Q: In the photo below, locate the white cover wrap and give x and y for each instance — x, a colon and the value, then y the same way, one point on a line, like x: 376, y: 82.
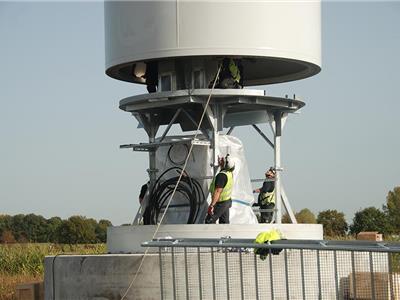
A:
x: 242, y: 193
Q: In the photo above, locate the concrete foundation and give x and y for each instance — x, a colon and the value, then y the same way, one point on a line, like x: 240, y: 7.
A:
x: 101, y: 277
x: 301, y: 275
x: 108, y: 276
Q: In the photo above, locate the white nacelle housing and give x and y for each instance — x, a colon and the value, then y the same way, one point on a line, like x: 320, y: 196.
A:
x: 277, y: 40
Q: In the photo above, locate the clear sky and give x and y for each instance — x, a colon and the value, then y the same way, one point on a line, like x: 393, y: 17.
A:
x: 60, y: 126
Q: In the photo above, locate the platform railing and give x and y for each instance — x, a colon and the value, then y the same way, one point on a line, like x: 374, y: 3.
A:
x: 287, y: 269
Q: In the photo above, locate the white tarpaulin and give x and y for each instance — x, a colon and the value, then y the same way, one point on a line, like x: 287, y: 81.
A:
x: 242, y: 192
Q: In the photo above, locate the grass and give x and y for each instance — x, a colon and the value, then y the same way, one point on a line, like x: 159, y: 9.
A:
x: 20, y: 263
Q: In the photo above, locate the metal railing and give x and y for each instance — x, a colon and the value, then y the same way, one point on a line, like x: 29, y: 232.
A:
x: 300, y: 269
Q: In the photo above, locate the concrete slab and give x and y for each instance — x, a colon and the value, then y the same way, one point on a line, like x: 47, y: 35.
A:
x: 101, y: 277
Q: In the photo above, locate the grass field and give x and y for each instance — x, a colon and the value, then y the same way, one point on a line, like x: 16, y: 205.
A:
x: 21, y: 263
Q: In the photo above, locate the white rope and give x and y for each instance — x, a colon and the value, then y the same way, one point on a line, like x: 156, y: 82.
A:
x: 176, y: 186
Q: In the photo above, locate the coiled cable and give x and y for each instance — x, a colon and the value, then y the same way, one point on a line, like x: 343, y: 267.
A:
x: 189, y: 188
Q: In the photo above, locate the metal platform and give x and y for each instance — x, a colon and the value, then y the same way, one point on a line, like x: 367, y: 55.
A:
x: 237, y: 107
x: 228, y: 108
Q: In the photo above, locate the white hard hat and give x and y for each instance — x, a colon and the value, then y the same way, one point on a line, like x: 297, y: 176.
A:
x: 229, y: 163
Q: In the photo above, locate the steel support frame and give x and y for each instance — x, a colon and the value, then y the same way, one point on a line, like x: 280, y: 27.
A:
x: 277, y: 158
x: 215, y: 114
x: 276, y: 121
x: 212, y: 114
x: 170, y: 124
x: 196, y: 124
x: 150, y: 124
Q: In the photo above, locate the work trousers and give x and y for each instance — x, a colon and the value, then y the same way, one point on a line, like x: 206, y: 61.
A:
x: 266, y: 217
x: 221, y: 213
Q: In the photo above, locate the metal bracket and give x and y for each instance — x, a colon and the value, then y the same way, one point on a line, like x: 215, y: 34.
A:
x: 145, y: 147
x: 170, y: 124
x: 263, y: 136
x: 230, y: 130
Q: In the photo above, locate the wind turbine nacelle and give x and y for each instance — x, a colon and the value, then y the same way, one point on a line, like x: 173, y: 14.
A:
x: 277, y: 41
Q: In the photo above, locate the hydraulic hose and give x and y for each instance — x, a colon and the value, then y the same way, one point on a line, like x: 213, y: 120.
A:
x: 188, y: 187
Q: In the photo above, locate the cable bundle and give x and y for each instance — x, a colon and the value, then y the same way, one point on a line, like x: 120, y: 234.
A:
x: 188, y: 187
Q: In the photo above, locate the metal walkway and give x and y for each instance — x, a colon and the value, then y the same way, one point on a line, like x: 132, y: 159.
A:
x: 300, y: 269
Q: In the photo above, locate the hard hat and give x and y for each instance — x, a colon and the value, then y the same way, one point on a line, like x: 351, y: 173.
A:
x: 271, y: 169
x: 229, y: 163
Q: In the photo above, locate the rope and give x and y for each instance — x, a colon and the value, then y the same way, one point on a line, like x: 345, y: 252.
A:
x: 177, y: 183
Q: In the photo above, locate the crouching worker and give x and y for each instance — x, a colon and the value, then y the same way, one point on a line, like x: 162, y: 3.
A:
x: 267, y: 237
x: 221, y: 190
x: 231, y: 75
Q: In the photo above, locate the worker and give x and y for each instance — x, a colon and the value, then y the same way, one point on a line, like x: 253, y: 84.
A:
x: 143, y: 191
x: 221, y: 190
x: 151, y: 76
x: 230, y: 76
x: 267, y: 237
x: 266, y: 196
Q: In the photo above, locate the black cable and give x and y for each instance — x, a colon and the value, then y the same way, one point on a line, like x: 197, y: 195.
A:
x: 181, y: 162
x: 188, y: 187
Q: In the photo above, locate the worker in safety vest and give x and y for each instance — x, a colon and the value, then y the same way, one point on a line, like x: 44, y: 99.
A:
x: 221, y: 190
x: 266, y: 197
x: 230, y: 76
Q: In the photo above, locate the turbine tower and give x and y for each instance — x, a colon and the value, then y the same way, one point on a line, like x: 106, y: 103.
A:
x: 178, y: 46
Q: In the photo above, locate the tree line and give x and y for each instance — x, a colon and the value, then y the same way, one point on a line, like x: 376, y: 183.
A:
x: 81, y: 230
x: 385, y: 220
x: 37, y: 229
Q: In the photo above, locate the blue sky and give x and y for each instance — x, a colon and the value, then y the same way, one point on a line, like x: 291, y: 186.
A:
x: 60, y: 126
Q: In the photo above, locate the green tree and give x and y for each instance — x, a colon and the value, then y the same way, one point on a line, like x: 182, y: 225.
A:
x: 35, y: 228
x: 52, y: 229
x: 77, y: 230
x: 5, y: 223
x: 286, y: 219
x: 392, y: 208
x: 370, y: 219
x: 101, y: 230
x: 18, y: 228
x: 305, y: 216
x: 333, y: 222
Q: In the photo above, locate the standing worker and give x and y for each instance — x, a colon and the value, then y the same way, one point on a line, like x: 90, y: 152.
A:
x: 221, y: 190
x: 266, y: 197
x: 151, y: 76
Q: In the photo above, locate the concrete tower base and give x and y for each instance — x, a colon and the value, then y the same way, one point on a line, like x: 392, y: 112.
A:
x: 101, y: 277
x: 108, y: 276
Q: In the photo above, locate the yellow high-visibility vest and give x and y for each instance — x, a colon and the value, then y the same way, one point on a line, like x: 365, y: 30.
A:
x: 234, y: 69
x: 268, y: 197
x: 227, y: 191
x: 267, y: 236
